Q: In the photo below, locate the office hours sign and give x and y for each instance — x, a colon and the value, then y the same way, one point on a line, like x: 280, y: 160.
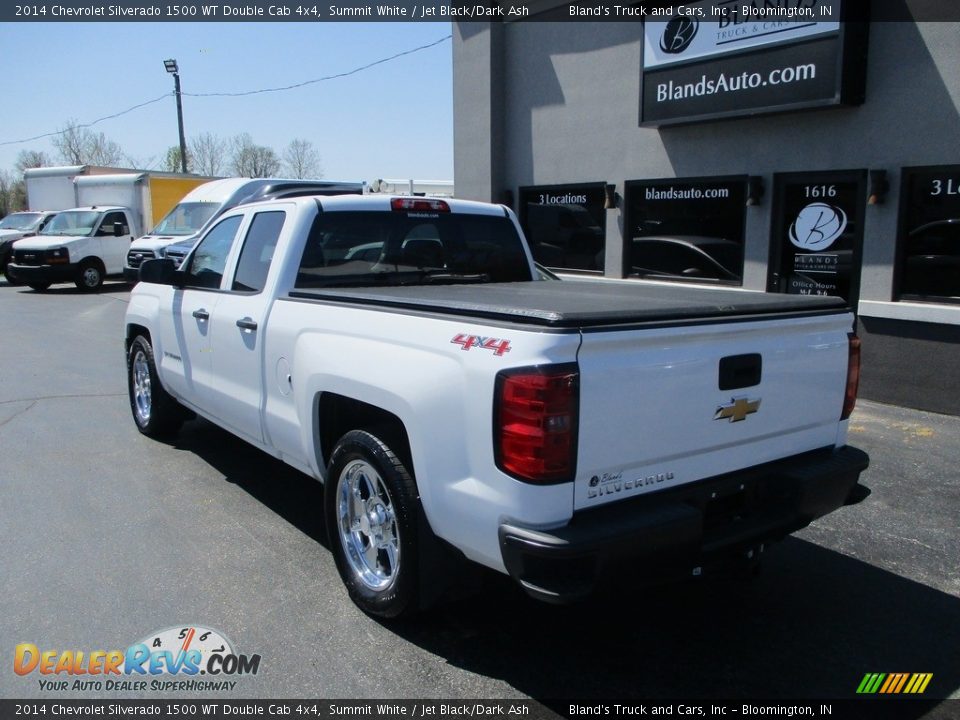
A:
x: 817, y: 233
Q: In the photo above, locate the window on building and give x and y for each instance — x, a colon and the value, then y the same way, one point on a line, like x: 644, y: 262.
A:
x: 929, y: 239
x: 816, y: 233
x: 565, y: 225
x: 686, y: 229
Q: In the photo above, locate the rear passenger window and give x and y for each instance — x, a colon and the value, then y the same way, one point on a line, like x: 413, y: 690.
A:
x: 257, y: 251
x: 210, y: 257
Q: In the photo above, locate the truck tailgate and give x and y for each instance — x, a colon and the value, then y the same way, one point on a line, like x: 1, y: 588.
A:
x: 661, y: 407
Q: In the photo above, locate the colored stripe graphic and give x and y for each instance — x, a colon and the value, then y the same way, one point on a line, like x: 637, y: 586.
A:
x: 894, y: 683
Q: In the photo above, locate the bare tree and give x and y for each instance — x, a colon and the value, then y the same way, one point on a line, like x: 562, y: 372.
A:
x: 31, y: 159
x: 206, y: 154
x: 251, y: 160
x: 81, y: 146
x: 302, y: 160
x: 6, y: 192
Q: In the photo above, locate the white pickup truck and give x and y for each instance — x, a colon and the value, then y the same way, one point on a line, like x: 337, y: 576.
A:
x: 401, y: 351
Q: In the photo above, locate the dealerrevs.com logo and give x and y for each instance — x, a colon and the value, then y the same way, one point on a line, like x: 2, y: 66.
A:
x: 173, y: 659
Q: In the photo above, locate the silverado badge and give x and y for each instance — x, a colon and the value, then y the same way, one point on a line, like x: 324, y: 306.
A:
x: 737, y: 410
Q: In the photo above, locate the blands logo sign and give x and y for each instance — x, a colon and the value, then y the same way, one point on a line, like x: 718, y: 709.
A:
x: 714, y: 59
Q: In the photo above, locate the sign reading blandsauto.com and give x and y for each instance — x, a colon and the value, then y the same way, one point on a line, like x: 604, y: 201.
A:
x: 726, y: 58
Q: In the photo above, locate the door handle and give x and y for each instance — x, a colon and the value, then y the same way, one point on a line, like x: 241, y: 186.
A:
x: 247, y: 324
x: 201, y: 314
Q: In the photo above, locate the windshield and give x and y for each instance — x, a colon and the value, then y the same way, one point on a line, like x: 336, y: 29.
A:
x: 186, y: 219
x: 21, y: 221
x: 398, y: 248
x: 72, y: 222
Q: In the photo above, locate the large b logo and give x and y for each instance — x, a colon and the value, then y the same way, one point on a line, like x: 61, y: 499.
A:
x: 678, y: 35
x: 817, y: 226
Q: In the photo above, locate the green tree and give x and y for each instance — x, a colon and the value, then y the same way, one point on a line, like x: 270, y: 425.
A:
x: 171, y: 161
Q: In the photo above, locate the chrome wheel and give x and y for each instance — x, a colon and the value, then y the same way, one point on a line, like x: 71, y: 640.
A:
x: 367, y: 524
x: 142, y: 398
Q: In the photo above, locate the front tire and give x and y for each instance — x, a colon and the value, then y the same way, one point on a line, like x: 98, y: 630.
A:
x: 9, y: 275
x: 371, y: 507
x: 155, y: 412
x: 89, y: 276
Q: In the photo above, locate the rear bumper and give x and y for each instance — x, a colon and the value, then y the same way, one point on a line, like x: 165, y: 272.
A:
x: 28, y: 274
x: 678, y: 532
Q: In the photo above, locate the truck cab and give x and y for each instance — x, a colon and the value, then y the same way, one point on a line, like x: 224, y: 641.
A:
x: 177, y: 233
x: 20, y: 225
x: 82, y: 245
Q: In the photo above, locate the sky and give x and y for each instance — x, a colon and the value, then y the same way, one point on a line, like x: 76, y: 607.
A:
x: 394, y: 120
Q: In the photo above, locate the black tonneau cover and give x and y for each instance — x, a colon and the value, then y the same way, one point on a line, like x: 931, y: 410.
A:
x: 579, y: 304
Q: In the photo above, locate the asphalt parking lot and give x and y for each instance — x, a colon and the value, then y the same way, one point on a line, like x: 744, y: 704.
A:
x: 108, y: 536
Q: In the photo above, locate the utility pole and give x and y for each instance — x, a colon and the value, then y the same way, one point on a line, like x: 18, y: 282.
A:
x: 171, y: 67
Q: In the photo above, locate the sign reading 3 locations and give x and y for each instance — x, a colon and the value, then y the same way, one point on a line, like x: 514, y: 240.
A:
x: 726, y: 58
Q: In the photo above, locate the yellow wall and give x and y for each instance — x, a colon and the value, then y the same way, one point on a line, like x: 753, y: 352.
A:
x: 165, y: 193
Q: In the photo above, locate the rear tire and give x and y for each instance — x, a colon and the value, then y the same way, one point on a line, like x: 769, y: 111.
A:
x: 89, y: 276
x: 155, y: 412
x: 371, y: 506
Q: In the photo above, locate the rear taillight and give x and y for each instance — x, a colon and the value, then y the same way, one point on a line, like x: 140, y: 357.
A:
x: 535, y: 422
x: 418, y: 204
x: 853, y: 377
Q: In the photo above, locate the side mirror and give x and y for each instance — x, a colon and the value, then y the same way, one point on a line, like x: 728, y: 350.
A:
x: 118, y: 229
x: 161, y: 272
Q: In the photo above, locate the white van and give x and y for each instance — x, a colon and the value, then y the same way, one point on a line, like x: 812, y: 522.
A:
x: 200, y: 206
x: 81, y: 245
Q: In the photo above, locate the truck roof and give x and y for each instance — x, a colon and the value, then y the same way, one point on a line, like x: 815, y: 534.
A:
x: 382, y: 203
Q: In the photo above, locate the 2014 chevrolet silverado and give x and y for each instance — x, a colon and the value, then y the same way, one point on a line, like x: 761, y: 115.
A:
x: 402, y: 351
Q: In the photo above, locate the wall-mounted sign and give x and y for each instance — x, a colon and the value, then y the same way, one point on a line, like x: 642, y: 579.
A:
x: 817, y: 234
x: 565, y: 224
x: 686, y: 229
x: 718, y: 59
x: 928, y: 261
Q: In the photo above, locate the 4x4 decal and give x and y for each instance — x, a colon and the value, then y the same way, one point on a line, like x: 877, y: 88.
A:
x: 498, y: 346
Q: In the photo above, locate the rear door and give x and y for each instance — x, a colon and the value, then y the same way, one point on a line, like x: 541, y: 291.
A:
x: 661, y: 407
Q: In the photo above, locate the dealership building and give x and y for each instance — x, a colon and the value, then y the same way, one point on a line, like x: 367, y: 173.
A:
x: 707, y: 145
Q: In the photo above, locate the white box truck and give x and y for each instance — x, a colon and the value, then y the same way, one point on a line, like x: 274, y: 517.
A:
x: 91, y: 239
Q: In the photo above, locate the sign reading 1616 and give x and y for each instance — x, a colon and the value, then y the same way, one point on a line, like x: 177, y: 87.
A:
x: 820, y: 191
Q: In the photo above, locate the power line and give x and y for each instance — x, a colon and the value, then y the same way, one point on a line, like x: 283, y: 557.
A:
x: 236, y: 94
x: 89, y: 124
x: 326, y: 77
